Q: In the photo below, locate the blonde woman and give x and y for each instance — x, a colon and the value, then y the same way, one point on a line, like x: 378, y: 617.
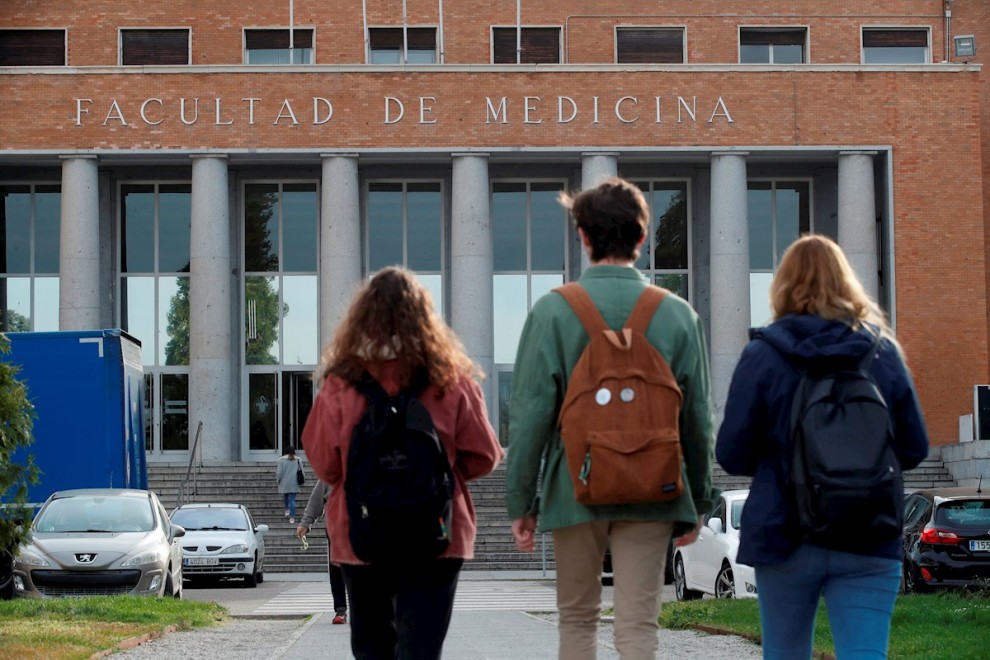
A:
x: 399, y: 610
x: 822, y: 317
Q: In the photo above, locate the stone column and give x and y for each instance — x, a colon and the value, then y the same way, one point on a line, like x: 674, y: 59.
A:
x: 79, y: 252
x: 596, y: 166
x: 729, y: 270
x: 211, y: 391
x: 340, y: 240
x: 858, y: 217
x: 471, y: 271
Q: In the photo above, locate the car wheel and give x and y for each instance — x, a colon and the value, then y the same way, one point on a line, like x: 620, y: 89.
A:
x: 725, y: 585
x: 6, y: 575
x: 261, y: 576
x: 911, y: 584
x: 251, y: 581
x: 680, y: 582
x: 170, y: 585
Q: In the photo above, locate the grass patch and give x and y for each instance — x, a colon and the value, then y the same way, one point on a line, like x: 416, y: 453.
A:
x: 941, y: 626
x: 76, y: 628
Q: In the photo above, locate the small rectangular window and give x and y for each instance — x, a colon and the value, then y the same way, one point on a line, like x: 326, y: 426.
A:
x: 263, y: 46
x: 32, y: 47
x: 649, y: 45
x: 895, y: 46
x: 772, y: 45
x: 154, y: 47
x: 386, y: 45
x: 536, y: 45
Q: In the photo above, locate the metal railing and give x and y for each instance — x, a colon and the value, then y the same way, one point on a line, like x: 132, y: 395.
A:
x: 181, y: 499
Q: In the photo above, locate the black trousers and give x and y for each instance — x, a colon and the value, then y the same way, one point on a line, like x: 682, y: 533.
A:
x: 401, y: 612
x: 337, y: 588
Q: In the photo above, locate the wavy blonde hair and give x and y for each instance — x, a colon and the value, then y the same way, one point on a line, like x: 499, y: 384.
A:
x: 392, y: 317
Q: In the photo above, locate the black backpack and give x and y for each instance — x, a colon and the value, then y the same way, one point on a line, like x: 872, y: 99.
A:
x: 845, y: 476
x: 399, y: 486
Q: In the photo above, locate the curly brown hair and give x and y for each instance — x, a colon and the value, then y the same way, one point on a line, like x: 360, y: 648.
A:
x: 392, y: 317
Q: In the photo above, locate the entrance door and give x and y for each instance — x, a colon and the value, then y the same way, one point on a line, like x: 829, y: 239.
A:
x: 277, y: 408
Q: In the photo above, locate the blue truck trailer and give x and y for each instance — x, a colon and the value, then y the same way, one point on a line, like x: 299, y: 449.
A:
x: 87, y: 388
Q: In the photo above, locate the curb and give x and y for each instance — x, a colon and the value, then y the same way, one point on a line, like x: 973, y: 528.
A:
x: 756, y: 639
x: 133, y: 642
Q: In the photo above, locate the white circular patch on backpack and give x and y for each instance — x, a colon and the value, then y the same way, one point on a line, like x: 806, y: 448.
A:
x: 627, y: 394
x: 603, y: 396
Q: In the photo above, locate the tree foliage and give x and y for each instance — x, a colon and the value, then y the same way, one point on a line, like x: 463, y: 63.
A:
x: 16, y: 431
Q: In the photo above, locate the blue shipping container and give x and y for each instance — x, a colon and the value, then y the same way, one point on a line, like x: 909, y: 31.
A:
x: 87, y: 388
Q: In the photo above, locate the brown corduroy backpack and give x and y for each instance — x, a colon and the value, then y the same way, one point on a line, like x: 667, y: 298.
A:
x: 619, y: 421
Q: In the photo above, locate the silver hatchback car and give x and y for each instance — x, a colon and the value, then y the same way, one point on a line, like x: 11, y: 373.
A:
x: 100, y: 541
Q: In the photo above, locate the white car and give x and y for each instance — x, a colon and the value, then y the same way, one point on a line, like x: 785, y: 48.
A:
x: 221, y: 541
x: 709, y: 566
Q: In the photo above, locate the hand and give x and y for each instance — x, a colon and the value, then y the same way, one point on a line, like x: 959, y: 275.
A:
x: 301, y: 531
x: 524, y: 532
x: 691, y: 536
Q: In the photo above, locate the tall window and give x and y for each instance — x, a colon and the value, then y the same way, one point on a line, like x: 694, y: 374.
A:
x: 155, y: 222
x: 405, y: 228
x: 281, y: 319
x: 779, y: 212
x: 30, y: 220
x: 664, y: 255
x: 895, y: 46
x: 32, y: 47
x: 398, y: 46
x: 529, y: 252
x: 772, y: 45
x: 160, y: 47
x: 272, y: 46
x: 649, y: 45
x: 537, y: 45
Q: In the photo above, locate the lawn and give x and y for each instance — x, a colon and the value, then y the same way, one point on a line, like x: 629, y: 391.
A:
x: 941, y: 626
x: 76, y: 628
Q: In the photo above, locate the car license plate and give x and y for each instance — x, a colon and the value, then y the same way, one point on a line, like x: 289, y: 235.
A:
x: 202, y: 561
x: 979, y: 546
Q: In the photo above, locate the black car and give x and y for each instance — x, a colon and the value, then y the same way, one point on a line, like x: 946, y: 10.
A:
x: 946, y: 538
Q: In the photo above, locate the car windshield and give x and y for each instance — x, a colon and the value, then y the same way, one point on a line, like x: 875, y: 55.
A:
x: 96, y: 514
x: 194, y: 519
x: 736, y: 514
x: 964, y: 513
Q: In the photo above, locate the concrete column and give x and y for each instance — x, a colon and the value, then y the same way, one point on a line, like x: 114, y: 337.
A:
x: 729, y: 270
x: 471, y: 271
x: 858, y: 217
x: 340, y: 240
x: 79, y: 256
x: 596, y: 166
x: 211, y: 392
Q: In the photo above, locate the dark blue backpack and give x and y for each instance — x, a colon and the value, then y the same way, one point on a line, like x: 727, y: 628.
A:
x: 399, y: 486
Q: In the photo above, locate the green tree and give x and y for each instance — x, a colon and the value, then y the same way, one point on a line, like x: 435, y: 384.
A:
x: 262, y: 315
x: 11, y: 321
x: 177, y: 319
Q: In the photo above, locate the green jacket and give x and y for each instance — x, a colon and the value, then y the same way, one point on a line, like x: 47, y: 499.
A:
x: 551, y: 343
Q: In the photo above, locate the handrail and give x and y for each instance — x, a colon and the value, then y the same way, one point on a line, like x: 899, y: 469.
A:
x: 192, y: 457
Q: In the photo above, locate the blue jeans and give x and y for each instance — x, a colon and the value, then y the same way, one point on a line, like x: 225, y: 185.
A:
x: 859, y: 595
x: 289, y: 500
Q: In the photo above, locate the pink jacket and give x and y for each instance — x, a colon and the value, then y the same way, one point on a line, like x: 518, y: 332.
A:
x: 461, y: 420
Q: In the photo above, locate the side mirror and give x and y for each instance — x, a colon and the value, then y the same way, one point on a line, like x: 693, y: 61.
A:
x: 177, y: 531
x: 263, y: 529
x: 715, y: 524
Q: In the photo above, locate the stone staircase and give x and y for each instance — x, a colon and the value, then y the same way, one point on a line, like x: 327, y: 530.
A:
x: 253, y: 484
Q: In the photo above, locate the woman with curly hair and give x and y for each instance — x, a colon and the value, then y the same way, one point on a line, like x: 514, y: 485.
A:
x: 391, y: 331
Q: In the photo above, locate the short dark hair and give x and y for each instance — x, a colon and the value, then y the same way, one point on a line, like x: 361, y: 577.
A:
x: 613, y: 215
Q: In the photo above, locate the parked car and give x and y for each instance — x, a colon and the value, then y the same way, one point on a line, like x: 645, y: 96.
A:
x: 946, y: 538
x: 221, y: 541
x: 100, y: 541
x: 709, y: 566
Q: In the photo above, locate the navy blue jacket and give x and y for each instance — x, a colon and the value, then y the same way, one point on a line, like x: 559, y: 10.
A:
x: 753, y: 439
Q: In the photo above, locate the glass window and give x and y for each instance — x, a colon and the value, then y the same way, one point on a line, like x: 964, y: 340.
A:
x: 772, y: 45
x: 395, y: 45
x: 30, y: 222
x: 779, y: 212
x: 32, y: 47
x: 154, y: 47
x: 895, y: 46
x: 271, y: 46
x: 536, y: 45
x: 649, y: 45
x: 664, y: 255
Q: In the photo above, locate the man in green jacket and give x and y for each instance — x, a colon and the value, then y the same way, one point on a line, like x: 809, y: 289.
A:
x: 612, y: 221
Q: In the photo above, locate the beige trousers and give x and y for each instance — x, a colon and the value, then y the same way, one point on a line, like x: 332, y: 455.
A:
x: 639, y: 552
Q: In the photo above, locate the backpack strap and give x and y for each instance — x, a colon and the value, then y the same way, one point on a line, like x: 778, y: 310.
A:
x: 584, y: 307
x: 646, y: 306
x: 370, y: 388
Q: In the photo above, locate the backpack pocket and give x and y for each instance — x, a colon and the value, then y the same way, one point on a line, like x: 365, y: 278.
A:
x: 629, y: 467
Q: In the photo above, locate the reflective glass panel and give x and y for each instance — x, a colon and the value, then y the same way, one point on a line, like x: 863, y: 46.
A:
x: 15, y: 230
x: 423, y: 219
x: 279, y: 56
x: 173, y: 320
x: 510, y: 305
x: 669, y: 208
x: 261, y: 211
x: 788, y: 54
x: 175, y: 412
x: 509, y: 226
x: 301, y: 324
x: 643, y: 261
x: 261, y: 411
x: 759, y: 298
x: 137, y: 228
x: 174, y: 226
x: 548, y: 225
x: 895, y: 55
x: 543, y: 284
x: 433, y: 284
x: 16, y: 301
x: 759, y: 199
x: 149, y: 396
x: 792, y: 206
x: 385, y: 225
x: 754, y: 54
x: 421, y: 56
x: 47, y: 226
x: 299, y: 210
x: 383, y: 56
x: 137, y: 311
x: 676, y: 282
x: 262, y: 315
x: 504, y: 399
x: 46, y: 304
